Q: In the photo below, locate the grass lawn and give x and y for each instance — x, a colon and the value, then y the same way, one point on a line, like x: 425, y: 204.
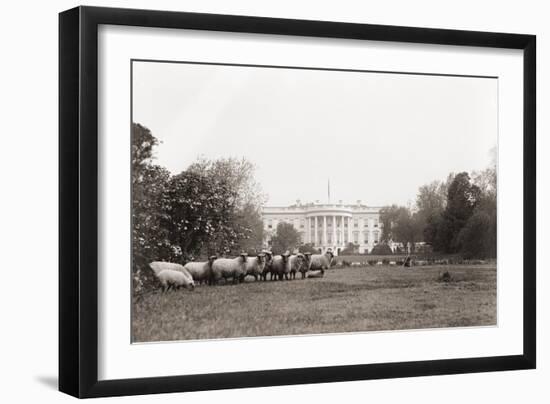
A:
x: 345, y: 300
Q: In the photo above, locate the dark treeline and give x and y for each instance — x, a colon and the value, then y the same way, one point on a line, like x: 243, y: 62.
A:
x: 456, y: 216
x: 212, y: 207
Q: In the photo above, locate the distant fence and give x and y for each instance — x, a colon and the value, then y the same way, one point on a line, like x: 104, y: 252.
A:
x: 399, y: 259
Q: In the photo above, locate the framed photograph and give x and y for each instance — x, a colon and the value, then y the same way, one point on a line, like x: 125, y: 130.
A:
x: 249, y: 201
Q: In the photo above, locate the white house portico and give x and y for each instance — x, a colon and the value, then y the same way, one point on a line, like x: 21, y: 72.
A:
x: 330, y: 225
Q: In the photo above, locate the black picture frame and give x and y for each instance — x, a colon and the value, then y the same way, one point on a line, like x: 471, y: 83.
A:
x: 78, y: 201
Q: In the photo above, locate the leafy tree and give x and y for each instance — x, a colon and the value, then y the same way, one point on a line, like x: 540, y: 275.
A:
x: 239, y: 174
x: 432, y: 198
x: 388, y: 217
x: 245, y: 200
x: 462, y: 198
x: 143, y: 143
x: 478, y: 238
x: 475, y: 239
x: 149, y: 238
x: 401, y: 224
x: 200, y: 211
x: 431, y: 202
x: 285, y: 238
x: 249, y: 220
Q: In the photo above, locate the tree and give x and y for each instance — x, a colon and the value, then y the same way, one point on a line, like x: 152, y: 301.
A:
x: 239, y: 174
x: 245, y: 200
x: 143, y: 143
x: 285, y: 239
x: 475, y: 239
x: 249, y: 220
x: 431, y: 202
x: 462, y: 198
x: 200, y: 213
x: 401, y: 224
x: 149, y: 238
x: 432, y: 197
x: 478, y: 238
x: 388, y: 217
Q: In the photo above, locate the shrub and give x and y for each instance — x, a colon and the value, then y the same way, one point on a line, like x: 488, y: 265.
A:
x: 381, y: 249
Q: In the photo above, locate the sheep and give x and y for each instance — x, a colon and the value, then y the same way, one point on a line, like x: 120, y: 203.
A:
x: 321, y: 261
x: 306, y: 265
x: 229, y: 268
x: 279, y: 267
x: 267, y: 266
x: 201, y: 271
x: 159, y: 266
x: 255, y: 266
x: 170, y: 278
x: 295, y: 264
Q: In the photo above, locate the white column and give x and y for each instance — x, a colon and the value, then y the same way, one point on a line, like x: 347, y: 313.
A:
x: 349, y: 230
x: 325, y: 231
x: 316, y: 236
x: 333, y: 230
x: 344, y: 231
x: 308, y: 230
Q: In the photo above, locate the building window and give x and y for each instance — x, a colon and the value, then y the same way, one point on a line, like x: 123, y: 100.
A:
x: 355, y: 223
x: 356, y: 238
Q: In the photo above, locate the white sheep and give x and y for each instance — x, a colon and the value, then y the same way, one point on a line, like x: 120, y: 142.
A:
x: 173, y: 279
x: 279, y: 267
x: 159, y: 266
x: 201, y: 271
x: 295, y: 264
x: 229, y: 268
x: 255, y: 266
x: 321, y: 261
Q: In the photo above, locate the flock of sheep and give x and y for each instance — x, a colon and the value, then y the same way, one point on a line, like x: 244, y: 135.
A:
x: 278, y: 267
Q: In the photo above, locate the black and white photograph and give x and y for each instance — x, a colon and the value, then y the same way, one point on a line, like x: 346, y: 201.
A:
x: 278, y: 200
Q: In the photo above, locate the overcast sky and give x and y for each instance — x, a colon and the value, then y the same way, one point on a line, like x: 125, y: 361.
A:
x: 378, y: 137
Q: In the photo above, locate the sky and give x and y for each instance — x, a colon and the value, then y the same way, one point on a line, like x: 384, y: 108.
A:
x: 376, y: 136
